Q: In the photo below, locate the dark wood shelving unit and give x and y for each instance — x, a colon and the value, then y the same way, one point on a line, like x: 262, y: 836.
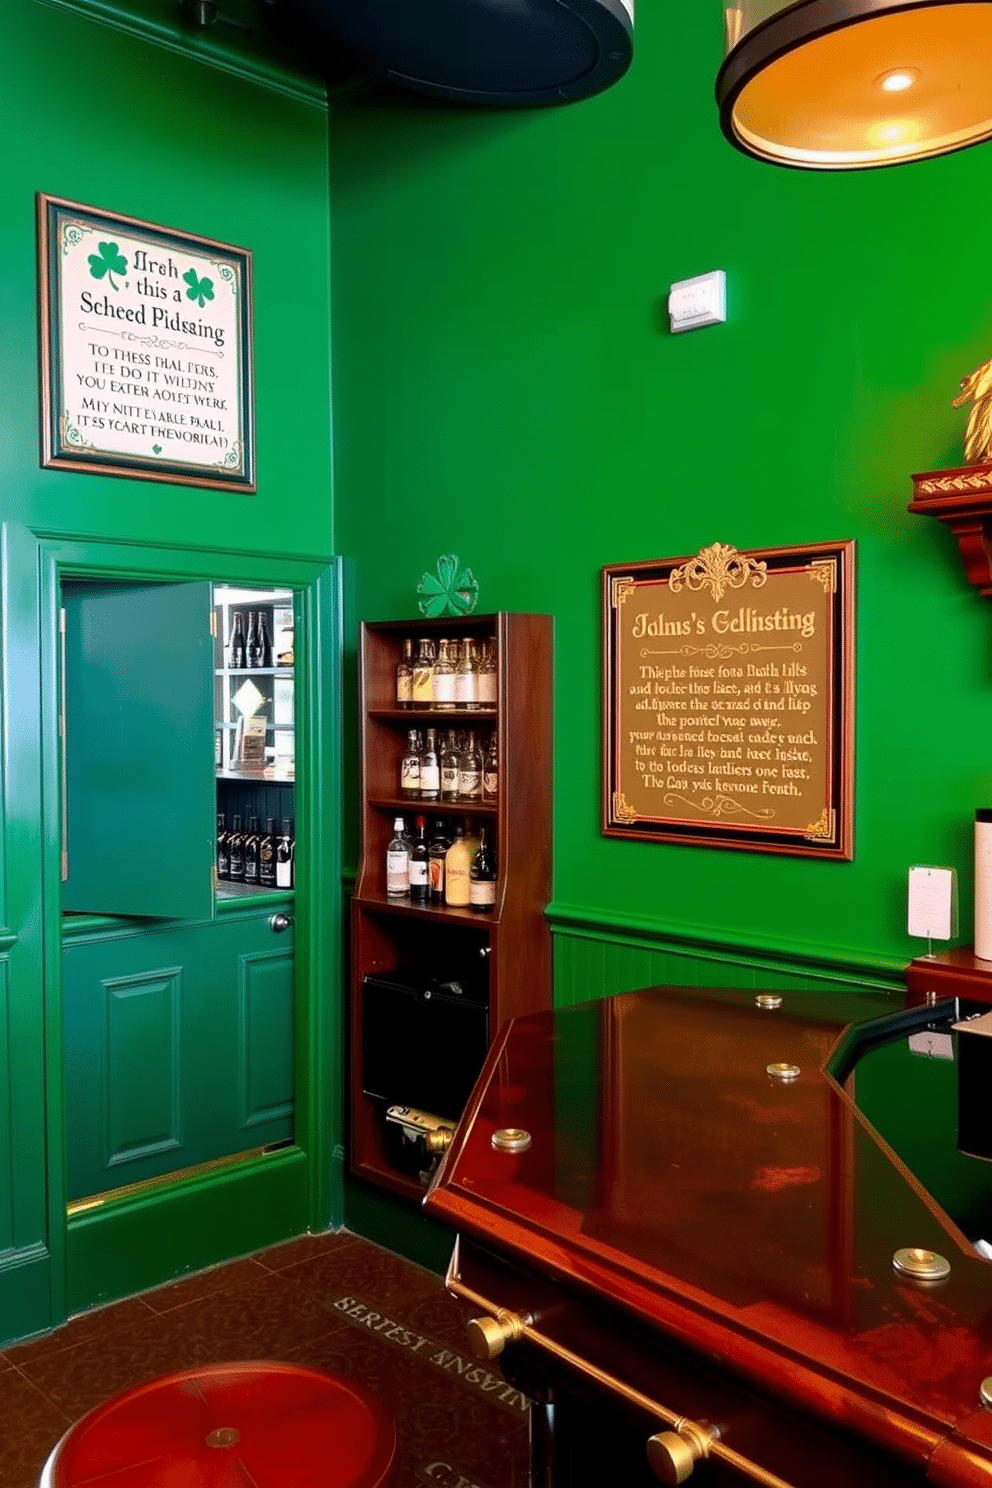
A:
x: 391, y: 935
x: 960, y: 498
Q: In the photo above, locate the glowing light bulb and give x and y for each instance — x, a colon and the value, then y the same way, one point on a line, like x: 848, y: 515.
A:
x: 898, y: 81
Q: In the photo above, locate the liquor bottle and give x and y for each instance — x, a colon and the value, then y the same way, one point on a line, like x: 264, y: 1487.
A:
x: 444, y: 677
x: 252, y: 648
x: 223, y: 861
x: 236, y: 654
x: 487, y: 675
x: 404, y: 677
x: 430, y: 770
x: 264, y: 640
x: 436, y: 851
x: 422, y: 688
x: 410, y: 766
x: 470, y: 770
x: 482, y: 885
x: 449, y: 768
x: 285, y: 853
x: 251, y: 852
x: 267, y: 856
x: 417, y: 870
x: 490, y: 772
x: 458, y: 867
x: 236, y: 853
x: 398, y: 863
x: 466, y: 679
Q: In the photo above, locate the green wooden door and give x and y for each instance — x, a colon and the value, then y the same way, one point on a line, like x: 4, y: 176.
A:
x: 180, y: 1047
x: 139, y: 793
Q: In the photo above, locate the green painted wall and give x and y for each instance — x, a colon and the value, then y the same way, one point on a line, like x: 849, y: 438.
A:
x: 116, y: 105
x: 506, y: 388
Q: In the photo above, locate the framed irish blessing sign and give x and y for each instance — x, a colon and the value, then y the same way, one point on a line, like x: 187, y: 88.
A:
x: 728, y: 699
x: 146, y: 350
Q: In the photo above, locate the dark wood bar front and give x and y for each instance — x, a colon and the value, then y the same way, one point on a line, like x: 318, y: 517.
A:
x: 705, y: 1260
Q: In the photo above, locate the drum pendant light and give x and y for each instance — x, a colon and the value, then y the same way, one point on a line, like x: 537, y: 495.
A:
x: 849, y: 84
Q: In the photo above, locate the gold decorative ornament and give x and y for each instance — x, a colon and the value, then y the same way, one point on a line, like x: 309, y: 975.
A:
x: 824, y: 826
x: 622, y: 589
x: 921, y: 1265
x: 951, y: 483
x: 978, y: 434
x: 825, y: 574
x: 719, y: 806
x: 768, y: 1000
x: 718, y: 568
x: 510, y: 1139
x: 719, y: 650
x: 622, y: 809
x: 780, y: 1070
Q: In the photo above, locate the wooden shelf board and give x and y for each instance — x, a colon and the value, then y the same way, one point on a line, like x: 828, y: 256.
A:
x: 447, y: 914
x: 408, y: 804
x: 453, y: 717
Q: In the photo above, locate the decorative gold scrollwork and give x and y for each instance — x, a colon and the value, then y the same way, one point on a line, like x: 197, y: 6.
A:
x: 718, y: 568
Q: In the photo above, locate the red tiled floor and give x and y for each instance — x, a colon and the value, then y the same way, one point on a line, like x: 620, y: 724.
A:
x: 332, y: 1302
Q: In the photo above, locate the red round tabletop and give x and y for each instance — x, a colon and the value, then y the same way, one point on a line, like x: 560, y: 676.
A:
x: 226, y: 1425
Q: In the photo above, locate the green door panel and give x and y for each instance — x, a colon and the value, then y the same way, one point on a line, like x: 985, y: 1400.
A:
x: 140, y: 795
x: 179, y: 1047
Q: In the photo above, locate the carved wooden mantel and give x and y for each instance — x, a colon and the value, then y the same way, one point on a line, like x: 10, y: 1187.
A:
x: 962, y: 499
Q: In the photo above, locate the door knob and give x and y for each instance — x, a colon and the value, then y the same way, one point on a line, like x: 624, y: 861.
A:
x: 279, y: 922
x: 488, y: 1337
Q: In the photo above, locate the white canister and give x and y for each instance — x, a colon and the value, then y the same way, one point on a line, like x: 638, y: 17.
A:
x: 983, y: 883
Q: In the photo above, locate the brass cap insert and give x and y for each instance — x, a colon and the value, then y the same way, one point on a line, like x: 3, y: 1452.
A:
x: 921, y: 1265
x: 768, y: 1000
x: 780, y: 1070
x: 510, y: 1139
x: 985, y: 1392
x: 488, y: 1337
x: 672, y: 1455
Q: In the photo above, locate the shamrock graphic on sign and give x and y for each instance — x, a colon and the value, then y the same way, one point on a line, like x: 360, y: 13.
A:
x: 200, y: 290
x: 110, y: 261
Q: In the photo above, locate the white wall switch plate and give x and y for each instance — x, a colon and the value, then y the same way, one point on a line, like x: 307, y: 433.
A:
x: 698, y: 302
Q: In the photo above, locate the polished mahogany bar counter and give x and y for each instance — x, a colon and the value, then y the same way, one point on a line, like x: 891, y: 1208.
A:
x: 683, y: 1237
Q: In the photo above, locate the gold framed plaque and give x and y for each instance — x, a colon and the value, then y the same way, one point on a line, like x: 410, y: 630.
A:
x: 728, y: 699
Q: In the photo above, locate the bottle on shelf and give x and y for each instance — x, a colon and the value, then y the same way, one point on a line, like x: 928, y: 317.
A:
x: 422, y: 689
x: 251, y: 852
x: 466, y: 677
x: 398, y: 862
x: 490, y: 772
x: 430, y: 770
x: 444, y: 677
x: 470, y: 770
x: 223, y: 862
x: 486, y: 688
x: 236, y: 853
x: 285, y: 852
x: 482, y: 877
x: 410, y: 766
x: 404, y: 677
x: 252, y: 649
x: 449, y: 767
x: 458, y: 866
x: 267, y: 856
x: 436, y: 851
x: 236, y: 658
x: 264, y: 640
x: 417, y: 874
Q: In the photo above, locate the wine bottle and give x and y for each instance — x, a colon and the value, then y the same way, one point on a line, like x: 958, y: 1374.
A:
x: 223, y: 862
x: 251, y: 852
x: 267, y: 856
x: 430, y: 771
x: 285, y: 851
x: 404, y: 677
x: 236, y: 853
x: 252, y: 648
x: 482, y: 885
x: 417, y: 869
x: 410, y: 766
x: 264, y: 641
x: 236, y: 655
x: 470, y: 770
x: 436, y: 852
x: 398, y: 863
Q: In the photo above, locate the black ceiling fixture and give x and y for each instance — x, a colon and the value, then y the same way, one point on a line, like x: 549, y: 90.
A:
x: 500, y: 53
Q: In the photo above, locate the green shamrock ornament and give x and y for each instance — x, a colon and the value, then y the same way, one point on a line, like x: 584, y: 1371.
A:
x: 156, y: 449
x: 453, y: 592
x: 110, y: 261
x: 200, y: 290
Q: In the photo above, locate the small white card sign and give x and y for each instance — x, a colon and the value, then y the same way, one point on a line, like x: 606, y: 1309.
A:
x: 146, y: 349
x: 933, y: 903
